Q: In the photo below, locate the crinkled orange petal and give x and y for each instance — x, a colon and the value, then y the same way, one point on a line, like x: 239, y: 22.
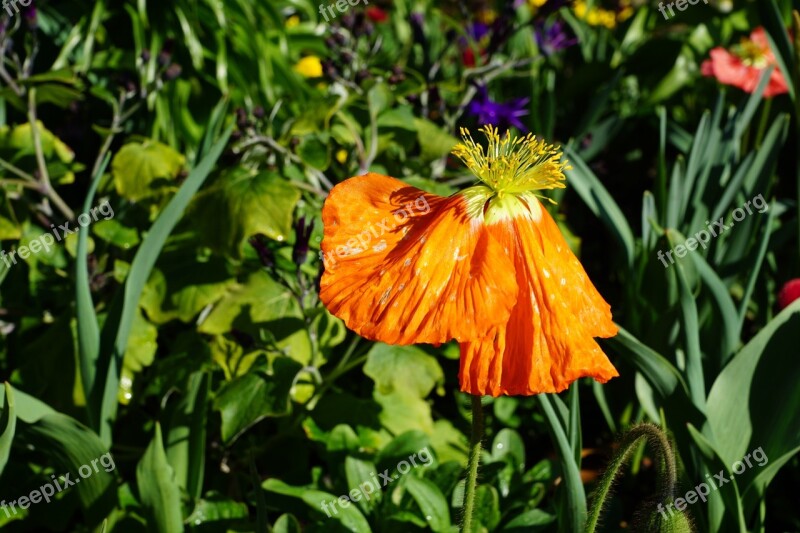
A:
x: 403, y: 266
x: 548, y: 341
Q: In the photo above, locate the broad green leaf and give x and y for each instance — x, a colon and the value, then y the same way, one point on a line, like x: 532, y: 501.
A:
x: 286, y: 523
x: 403, y: 368
x: 8, y: 230
x: 314, y: 150
x: 158, y: 488
x: 359, y: 474
x: 68, y: 445
x: 431, y: 502
x: 434, y: 141
x: 139, y: 168
x: 216, y: 511
x: 113, y: 232
x: 403, y: 410
x: 262, y: 304
x: 20, y: 140
x: 508, y: 446
x: 323, y: 503
x: 184, y: 283
x: 243, y: 203
x: 249, y: 399
x: 741, y: 405
x: 531, y: 521
x: 487, y: 507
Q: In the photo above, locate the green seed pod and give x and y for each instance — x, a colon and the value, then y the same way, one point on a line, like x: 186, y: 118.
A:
x: 656, y: 521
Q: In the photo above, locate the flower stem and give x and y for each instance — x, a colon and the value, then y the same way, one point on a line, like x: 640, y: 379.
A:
x: 666, y: 479
x: 474, y: 461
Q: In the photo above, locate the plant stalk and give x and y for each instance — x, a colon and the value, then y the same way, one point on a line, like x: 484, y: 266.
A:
x: 474, y: 461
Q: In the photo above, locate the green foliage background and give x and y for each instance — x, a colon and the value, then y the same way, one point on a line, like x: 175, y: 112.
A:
x: 184, y: 336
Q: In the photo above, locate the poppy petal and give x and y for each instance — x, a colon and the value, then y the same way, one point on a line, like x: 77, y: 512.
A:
x: 404, y: 266
x: 548, y: 341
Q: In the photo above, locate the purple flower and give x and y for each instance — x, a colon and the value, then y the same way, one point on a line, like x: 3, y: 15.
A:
x: 477, y: 31
x: 500, y: 115
x: 31, y: 16
x: 553, y: 37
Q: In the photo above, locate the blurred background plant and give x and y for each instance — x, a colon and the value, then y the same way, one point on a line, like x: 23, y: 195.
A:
x: 185, y: 335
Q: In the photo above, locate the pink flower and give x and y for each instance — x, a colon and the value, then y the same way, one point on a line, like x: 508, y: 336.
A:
x: 789, y: 293
x: 743, y: 65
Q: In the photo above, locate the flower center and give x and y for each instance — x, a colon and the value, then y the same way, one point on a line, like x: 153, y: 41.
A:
x: 512, y: 165
x: 752, y: 54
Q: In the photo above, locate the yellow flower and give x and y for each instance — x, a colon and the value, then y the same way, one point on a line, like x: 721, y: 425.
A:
x: 597, y: 16
x: 487, y: 16
x: 341, y: 156
x: 309, y: 66
x: 292, y: 21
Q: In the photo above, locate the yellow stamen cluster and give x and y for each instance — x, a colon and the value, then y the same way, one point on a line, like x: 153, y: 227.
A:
x: 752, y: 54
x: 513, y: 165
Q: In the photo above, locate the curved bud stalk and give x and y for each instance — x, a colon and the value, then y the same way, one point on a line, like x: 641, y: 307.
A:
x: 651, y: 519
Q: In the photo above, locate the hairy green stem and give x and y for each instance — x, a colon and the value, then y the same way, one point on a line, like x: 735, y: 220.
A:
x: 656, y: 438
x: 474, y: 461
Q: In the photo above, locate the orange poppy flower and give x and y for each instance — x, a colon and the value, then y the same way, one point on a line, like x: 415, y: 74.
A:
x: 743, y: 66
x: 486, y: 266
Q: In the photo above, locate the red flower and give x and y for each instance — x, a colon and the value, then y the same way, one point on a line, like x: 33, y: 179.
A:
x: 377, y: 15
x: 743, y: 65
x: 789, y: 293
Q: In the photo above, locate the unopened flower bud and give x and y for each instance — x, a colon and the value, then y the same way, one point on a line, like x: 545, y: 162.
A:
x: 302, y: 237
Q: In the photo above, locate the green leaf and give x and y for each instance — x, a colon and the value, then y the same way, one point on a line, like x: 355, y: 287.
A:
x: 358, y: 473
x: 487, y: 507
x: 241, y: 204
x: 773, y: 22
x: 262, y: 303
x: 114, y: 336
x: 572, y: 514
x: 349, y: 516
x: 530, y: 522
x: 600, y: 202
x: 113, y: 232
x: 286, y: 523
x: 137, y: 167
x: 741, y: 405
x: 314, y: 150
x: 431, y: 502
x: 508, y: 446
x: 158, y: 488
x: 257, y: 395
x: 68, y: 446
x: 186, y: 438
x: 8, y: 424
x: 434, y: 142
x: 218, y: 513
x: 404, y: 368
